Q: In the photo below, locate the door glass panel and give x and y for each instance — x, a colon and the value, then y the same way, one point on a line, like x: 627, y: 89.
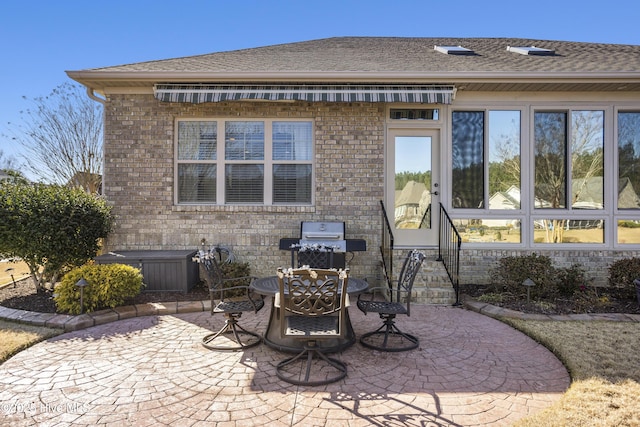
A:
x: 412, y: 207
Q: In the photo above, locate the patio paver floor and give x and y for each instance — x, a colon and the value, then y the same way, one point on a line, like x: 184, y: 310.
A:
x: 470, y: 370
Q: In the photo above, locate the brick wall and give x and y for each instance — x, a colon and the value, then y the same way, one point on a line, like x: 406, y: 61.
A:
x: 139, y: 181
x: 476, y: 264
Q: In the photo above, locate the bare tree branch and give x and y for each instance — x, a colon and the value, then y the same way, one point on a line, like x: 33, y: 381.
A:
x: 62, y: 135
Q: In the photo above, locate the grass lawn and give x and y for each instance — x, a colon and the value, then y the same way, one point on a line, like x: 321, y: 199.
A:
x: 17, y: 336
x: 18, y: 270
x: 604, y: 363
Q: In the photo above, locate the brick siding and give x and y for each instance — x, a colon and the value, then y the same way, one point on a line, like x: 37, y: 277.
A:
x: 139, y: 181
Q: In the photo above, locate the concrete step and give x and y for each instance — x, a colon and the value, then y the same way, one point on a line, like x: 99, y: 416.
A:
x: 434, y: 295
x: 432, y: 285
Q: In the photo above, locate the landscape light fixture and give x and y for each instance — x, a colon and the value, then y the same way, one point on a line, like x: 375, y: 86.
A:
x: 10, y: 269
x: 81, y: 284
x: 528, y: 283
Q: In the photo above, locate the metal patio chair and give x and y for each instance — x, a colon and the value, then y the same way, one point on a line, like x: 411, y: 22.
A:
x: 312, y: 308
x: 397, y: 300
x: 231, y: 301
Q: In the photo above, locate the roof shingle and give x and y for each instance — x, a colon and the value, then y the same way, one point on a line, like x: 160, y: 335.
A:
x: 395, y: 54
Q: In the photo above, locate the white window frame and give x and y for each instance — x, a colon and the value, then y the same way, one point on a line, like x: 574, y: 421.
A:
x: 610, y: 214
x: 221, y: 161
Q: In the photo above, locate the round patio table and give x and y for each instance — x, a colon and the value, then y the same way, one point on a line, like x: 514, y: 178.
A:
x: 269, y: 286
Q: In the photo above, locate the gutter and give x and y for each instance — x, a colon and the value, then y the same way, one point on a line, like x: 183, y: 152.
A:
x: 92, y: 75
x: 91, y: 94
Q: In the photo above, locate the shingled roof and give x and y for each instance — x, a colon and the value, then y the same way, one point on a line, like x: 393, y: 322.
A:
x: 394, y: 59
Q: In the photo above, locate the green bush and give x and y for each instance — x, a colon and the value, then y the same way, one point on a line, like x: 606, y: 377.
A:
x: 570, y: 280
x: 51, y: 227
x: 512, y: 271
x: 236, y: 269
x: 231, y: 270
x: 110, y: 285
x: 622, y: 273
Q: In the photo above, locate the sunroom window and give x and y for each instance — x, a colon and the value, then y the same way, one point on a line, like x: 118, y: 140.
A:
x: 486, y: 155
x: 260, y: 162
x: 486, y: 174
x: 569, y: 175
x: 628, y: 160
x: 569, y: 159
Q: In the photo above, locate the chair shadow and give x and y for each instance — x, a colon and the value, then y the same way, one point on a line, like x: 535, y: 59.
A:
x: 364, y: 406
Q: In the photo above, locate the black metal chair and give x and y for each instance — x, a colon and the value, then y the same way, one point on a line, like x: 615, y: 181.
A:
x: 396, y: 301
x: 232, y: 301
x: 312, y: 307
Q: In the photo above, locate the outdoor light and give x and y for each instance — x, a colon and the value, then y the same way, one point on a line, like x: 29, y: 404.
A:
x: 528, y: 283
x: 11, y: 273
x: 81, y: 284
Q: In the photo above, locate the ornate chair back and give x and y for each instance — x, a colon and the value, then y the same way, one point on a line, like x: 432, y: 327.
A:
x: 397, y: 300
x: 410, y: 269
x: 312, y: 307
x: 312, y: 293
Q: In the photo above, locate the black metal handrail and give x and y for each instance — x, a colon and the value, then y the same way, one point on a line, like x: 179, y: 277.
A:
x: 449, y: 245
x: 386, y: 247
x: 425, y: 222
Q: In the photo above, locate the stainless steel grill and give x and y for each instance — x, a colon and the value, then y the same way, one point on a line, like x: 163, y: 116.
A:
x: 323, y: 235
x: 322, y: 244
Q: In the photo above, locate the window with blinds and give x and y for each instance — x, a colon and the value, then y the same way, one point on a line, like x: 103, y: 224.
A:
x: 260, y: 162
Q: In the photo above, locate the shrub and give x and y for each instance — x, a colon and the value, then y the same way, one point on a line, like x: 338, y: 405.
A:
x: 110, y: 285
x: 52, y: 228
x: 570, y: 280
x: 511, y: 271
x: 236, y: 269
x: 622, y: 273
x: 231, y: 270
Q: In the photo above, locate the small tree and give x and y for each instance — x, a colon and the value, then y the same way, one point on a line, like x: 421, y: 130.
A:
x: 51, y: 227
x: 62, y: 138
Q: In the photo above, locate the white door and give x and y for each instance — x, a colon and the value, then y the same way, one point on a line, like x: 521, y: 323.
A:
x: 413, y: 186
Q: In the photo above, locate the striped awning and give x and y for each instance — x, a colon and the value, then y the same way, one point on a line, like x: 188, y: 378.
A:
x: 199, y: 93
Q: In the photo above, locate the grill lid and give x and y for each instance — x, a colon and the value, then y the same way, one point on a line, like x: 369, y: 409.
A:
x: 323, y: 234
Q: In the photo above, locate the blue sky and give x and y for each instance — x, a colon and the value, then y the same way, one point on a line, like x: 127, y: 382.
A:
x: 41, y: 39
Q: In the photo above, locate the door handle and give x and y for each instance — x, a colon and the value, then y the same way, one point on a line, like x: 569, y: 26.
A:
x: 435, y: 185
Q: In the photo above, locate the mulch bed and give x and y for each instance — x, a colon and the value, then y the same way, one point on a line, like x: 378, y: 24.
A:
x: 24, y: 297
x: 558, y: 306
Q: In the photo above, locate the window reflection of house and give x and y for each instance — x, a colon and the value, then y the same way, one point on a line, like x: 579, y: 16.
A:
x: 627, y: 196
x: 509, y: 199
x: 588, y: 193
x: 411, y: 204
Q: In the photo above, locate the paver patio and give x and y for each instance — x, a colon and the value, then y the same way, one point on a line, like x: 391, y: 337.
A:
x: 470, y: 370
